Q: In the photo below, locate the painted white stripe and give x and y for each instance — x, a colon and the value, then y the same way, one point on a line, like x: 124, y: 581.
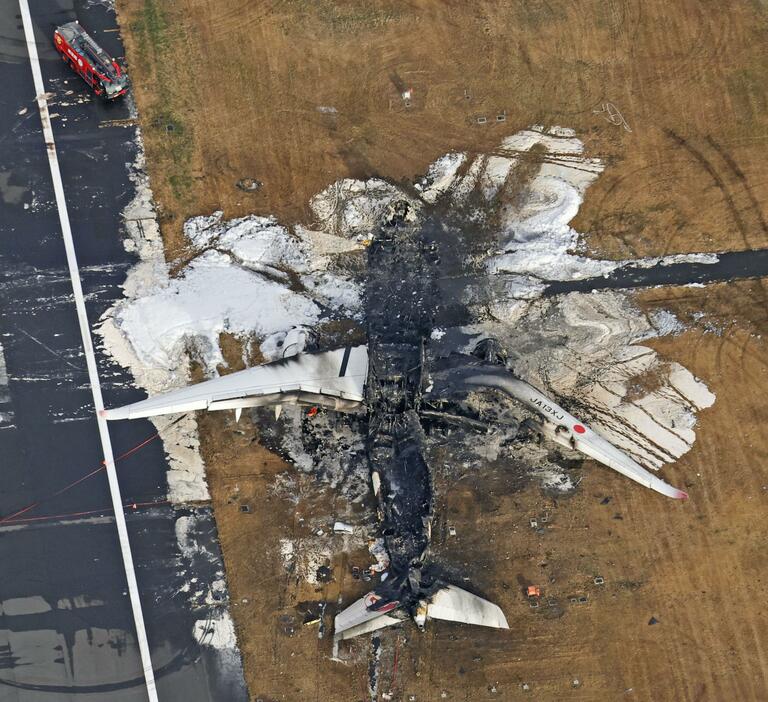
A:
x: 6, y: 411
x: 114, y: 487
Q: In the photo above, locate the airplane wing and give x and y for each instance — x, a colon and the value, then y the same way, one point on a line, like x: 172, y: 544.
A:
x: 557, y: 424
x: 332, y: 378
x: 576, y: 433
x: 581, y: 438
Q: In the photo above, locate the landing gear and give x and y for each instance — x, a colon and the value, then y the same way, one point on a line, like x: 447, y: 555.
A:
x: 491, y: 351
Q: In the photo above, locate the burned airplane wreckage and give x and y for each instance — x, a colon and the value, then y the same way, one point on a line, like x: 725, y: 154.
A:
x: 400, y: 383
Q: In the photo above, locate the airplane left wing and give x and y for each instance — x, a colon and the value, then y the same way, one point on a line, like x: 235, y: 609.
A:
x: 333, y: 379
x: 557, y: 424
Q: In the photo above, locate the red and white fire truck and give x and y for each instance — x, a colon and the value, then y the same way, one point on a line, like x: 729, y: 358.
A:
x: 89, y: 61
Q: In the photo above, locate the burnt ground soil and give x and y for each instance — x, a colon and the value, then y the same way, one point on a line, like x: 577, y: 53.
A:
x: 239, y: 84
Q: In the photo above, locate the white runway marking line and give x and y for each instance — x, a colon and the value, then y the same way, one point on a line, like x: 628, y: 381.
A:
x: 85, y: 333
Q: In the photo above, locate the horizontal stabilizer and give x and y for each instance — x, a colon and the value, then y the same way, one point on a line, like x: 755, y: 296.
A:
x: 359, y: 619
x: 379, y: 622
x: 331, y: 378
x: 449, y: 603
x: 453, y: 604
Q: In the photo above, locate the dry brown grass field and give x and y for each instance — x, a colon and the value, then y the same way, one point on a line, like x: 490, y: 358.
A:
x: 232, y: 89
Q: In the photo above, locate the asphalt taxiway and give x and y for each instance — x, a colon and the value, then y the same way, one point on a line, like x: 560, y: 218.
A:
x: 66, y: 627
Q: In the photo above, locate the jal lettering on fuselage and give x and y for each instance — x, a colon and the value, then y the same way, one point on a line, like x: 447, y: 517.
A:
x: 547, y: 408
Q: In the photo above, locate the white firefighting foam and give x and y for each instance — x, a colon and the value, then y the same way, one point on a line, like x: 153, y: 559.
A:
x: 238, y: 281
x: 186, y: 477
x: 583, y: 348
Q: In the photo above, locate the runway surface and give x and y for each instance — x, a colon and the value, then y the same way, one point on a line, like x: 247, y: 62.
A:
x: 66, y: 627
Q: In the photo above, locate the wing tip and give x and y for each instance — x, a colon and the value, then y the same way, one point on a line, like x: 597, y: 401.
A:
x: 114, y: 413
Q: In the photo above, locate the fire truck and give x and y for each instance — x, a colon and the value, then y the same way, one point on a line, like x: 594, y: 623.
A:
x: 89, y: 61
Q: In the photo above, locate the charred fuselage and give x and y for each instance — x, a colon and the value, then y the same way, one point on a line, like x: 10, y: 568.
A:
x: 400, y: 304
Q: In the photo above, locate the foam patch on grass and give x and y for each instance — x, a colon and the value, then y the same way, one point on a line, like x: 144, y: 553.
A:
x: 256, y: 278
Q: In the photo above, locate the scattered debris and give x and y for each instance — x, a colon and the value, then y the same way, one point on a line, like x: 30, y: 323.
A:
x: 311, y: 612
x: 287, y: 624
x: 379, y: 551
x: 248, y: 185
x: 612, y: 114
x: 343, y: 528
x: 533, y: 593
x: 349, y: 207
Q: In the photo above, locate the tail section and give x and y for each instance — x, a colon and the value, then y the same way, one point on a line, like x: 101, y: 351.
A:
x: 442, y: 601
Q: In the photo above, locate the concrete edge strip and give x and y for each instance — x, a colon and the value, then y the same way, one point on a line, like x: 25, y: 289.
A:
x: 114, y: 487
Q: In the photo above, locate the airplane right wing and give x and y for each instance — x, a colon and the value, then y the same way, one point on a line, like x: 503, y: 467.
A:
x: 333, y: 379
